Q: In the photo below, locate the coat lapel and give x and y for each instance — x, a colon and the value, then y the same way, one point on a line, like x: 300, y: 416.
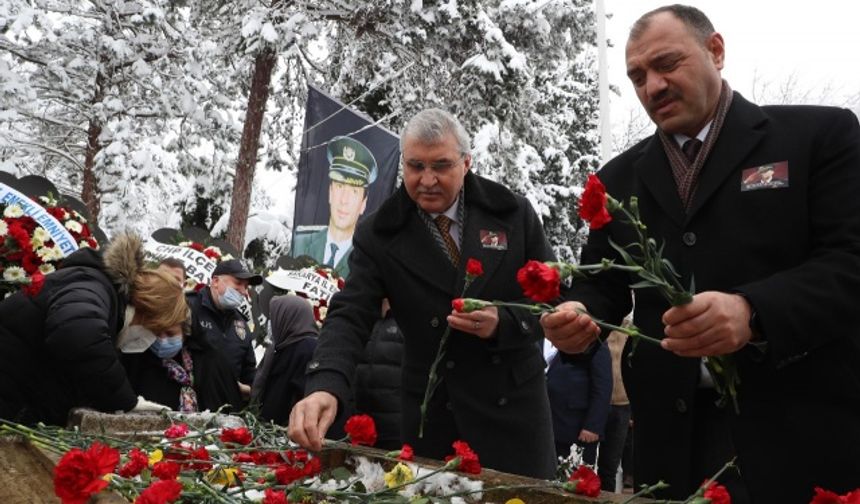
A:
x: 741, y: 133
x: 415, y: 248
x: 654, y: 171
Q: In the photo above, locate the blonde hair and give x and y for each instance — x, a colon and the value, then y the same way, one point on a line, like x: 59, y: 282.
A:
x: 158, y: 300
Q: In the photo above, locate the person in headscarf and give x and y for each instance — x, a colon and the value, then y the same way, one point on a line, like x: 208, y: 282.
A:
x: 280, y: 381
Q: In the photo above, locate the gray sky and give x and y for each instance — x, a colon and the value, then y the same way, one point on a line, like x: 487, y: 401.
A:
x: 817, y: 43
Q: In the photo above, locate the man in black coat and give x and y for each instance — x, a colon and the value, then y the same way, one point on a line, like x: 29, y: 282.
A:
x: 492, y: 392
x: 215, y: 317
x: 776, y: 267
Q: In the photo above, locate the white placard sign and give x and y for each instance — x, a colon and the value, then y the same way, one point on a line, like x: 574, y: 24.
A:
x: 306, y: 280
x: 198, y: 267
x: 59, y: 234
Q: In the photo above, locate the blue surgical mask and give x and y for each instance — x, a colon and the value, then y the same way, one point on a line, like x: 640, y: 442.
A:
x: 231, y: 299
x: 165, y: 348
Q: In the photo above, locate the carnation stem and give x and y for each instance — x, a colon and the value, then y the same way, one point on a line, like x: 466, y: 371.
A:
x: 631, y: 331
x: 433, y: 378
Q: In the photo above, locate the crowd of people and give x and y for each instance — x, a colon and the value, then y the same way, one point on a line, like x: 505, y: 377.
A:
x: 775, y: 266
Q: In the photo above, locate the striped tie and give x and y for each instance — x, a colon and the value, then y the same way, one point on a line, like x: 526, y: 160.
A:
x: 444, y: 225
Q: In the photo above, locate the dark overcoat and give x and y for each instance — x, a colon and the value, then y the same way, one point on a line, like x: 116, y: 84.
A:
x: 493, y: 392
x: 793, y: 249
x: 225, y: 330
x: 285, y: 384
x: 59, y: 346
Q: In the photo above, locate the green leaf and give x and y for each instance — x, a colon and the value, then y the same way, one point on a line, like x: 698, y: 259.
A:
x: 340, y: 474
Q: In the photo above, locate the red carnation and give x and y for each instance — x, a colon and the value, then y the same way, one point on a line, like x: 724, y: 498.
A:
x: 30, y: 262
x: 312, y: 467
x: 286, y: 474
x: 160, y: 492
x: 584, y: 481
x: 196, y: 246
x: 243, y: 458
x: 469, y: 462
x: 200, y: 456
x: 716, y: 493
x: 79, y: 473
x: 406, y: 453
x: 176, y: 431
x: 166, y: 470
x: 823, y: 496
x: 240, y: 436
x: 361, y: 430
x: 267, y: 458
x: 592, y: 205
x: 275, y: 497
x: 474, y: 268
x: 539, y: 281
x: 37, y: 281
x: 297, y: 456
x: 458, y: 305
x: 138, y: 460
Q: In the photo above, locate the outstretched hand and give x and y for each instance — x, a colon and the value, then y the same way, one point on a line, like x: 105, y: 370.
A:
x: 311, y: 418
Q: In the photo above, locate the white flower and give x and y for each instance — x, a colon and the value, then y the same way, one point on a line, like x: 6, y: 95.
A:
x: 47, y: 268
x: 15, y: 274
x: 323, y: 311
x: 41, y: 235
x: 226, y: 257
x: 48, y: 201
x: 74, y: 226
x: 13, y: 211
x: 185, y: 244
x: 44, y: 253
x: 4, y: 228
x: 84, y: 244
x: 78, y: 216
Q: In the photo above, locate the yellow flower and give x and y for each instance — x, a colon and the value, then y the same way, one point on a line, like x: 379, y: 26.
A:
x: 515, y: 500
x: 155, y: 457
x: 401, y: 474
x: 228, y: 476
x: 107, y: 477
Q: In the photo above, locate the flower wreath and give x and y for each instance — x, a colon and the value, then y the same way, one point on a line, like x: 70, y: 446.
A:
x: 320, y: 306
x: 210, y: 251
x: 27, y: 252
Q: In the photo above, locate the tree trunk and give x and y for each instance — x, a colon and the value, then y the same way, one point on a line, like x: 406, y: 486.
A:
x: 257, y: 97
x: 90, y: 193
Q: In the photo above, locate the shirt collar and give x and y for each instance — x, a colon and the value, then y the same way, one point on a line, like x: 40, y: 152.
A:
x: 680, y: 138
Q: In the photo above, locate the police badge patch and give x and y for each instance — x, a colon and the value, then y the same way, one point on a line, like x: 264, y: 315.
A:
x: 240, y: 329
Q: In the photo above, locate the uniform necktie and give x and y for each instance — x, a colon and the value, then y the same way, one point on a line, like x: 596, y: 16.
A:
x: 691, y: 148
x: 444, y: 225
x: 330, y: 262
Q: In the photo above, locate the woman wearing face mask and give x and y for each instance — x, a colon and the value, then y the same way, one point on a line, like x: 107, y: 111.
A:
x: 59, y: 346
x: 178, y: 371
x: 280, y: 381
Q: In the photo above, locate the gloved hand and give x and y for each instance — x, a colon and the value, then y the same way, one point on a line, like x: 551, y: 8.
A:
x: 144, y: 405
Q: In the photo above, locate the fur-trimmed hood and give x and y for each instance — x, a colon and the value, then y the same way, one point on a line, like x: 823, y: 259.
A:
x: 123, y: 258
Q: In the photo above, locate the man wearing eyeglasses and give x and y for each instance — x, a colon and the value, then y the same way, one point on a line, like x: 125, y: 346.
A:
x: 413, y: 250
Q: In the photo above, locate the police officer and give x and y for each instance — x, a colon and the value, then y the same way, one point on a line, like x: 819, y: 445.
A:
x: 216, y: 317
x: 352, y: 168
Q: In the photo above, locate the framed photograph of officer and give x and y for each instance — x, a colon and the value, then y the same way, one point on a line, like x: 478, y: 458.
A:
x: 347, y: 168
x: 352, y: 168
